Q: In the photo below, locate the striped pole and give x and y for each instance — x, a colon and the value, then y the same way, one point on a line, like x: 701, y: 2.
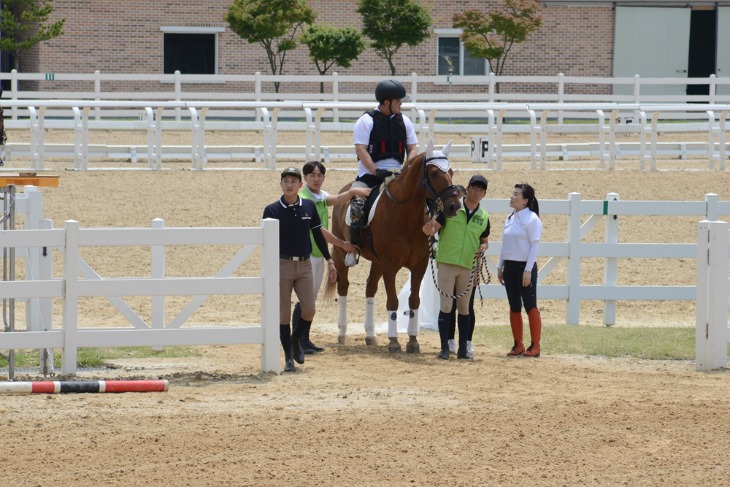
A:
x: 92, y: 386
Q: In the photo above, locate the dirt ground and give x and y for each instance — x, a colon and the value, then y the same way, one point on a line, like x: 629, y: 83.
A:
x: 356, y: 415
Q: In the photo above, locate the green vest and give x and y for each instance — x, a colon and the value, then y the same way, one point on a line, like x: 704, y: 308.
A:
x: 459, y: 240
x: 321, y: 206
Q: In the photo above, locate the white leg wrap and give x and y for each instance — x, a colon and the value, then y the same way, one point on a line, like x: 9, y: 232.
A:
x: 393, y: 323
x: 342, y: 315
x: 370, y: 317
x: 413, y: 323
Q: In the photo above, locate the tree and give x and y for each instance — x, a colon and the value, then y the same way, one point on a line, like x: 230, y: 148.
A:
x: 22, y: 26
x: 272, y: 23
x: 391, y: 24
x: 329, y: 46
x: 491, y: 35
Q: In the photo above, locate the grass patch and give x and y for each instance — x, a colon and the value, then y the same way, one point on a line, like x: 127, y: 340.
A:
x: 99, y: 357
x: 644, y: 343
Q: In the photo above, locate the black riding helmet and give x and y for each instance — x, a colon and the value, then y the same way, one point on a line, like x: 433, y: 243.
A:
x: 389, y: 89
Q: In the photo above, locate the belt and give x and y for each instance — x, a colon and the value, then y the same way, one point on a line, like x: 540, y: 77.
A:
x: 293, y: 257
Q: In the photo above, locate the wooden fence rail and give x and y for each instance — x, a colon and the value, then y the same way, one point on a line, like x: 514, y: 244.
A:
x: 70, y: 288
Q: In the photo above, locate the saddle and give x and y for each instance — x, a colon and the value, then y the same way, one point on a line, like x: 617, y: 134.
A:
x: 368, y: 209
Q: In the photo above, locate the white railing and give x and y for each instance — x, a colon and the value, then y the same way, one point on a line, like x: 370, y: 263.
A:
x: 178, y: 87
x: 573, y: 249
x: 487, y: 148
x: 72, y: 335
x: 713, y: 299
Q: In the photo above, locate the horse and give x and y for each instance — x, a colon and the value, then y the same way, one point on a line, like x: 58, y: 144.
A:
x: 394, y: 239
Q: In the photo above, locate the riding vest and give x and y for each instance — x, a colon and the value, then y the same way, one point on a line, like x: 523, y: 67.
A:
x: 387, y: 137
x: 459, y: 239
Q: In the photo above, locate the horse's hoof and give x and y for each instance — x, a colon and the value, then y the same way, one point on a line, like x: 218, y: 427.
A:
x: 413, y: 347
x: 341, y: 340
x: 394, y: 346
x: 371, y: 341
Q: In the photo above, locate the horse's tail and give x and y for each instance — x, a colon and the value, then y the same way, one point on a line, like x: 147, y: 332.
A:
x: 329, y: 290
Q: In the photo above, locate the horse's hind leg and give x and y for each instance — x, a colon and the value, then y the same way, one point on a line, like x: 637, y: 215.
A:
x: 371, y: 288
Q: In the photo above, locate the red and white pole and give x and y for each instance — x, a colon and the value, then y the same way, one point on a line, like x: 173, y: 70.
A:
x: 92, y: 386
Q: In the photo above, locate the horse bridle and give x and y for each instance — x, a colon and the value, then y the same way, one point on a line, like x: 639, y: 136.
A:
x: 435, y: 203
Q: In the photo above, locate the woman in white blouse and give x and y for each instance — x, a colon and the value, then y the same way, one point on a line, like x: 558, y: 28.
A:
x: 517, y: 268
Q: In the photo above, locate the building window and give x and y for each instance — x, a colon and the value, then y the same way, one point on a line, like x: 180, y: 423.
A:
x: 190, y: 50
x: 453, y: 57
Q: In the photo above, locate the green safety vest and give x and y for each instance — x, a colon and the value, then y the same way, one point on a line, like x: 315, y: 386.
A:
x: 321, y: 206
x: 459, y: 240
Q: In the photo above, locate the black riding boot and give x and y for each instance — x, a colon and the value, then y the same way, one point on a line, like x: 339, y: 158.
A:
x: 296, y: 345
x: 285, y: 338
x: 464, y: 328
x: 295, y: 317
x: 307, y: 346
x: 444, y: 324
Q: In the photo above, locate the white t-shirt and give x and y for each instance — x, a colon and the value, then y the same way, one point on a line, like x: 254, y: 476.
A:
x: 521, y: 238
x: 361, y: 135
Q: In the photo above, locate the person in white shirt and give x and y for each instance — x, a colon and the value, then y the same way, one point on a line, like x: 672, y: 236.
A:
x: 517, y: 268
x: 384, y: 139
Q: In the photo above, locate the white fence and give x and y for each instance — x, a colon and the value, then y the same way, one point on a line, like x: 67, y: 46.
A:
x: 713, y: 299
x: 70, y: 287
x: 558, y: 88
x: 603, y: 119
x: 574, y: 249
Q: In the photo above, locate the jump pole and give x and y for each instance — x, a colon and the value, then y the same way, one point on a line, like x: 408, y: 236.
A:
x: 91, y: 386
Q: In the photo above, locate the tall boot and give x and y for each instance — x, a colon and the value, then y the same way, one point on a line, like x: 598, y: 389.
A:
x: 285, y: 338
x: 464, y: 325
x: 535, y: 321
x: 515, y: 321
x: 452, y: 329
x: 307, y: 346
x: 296, y: 345
x: 444, y: 325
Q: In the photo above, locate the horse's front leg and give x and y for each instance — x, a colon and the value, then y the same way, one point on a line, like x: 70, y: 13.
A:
x: 371, y: 287
x: 391, y: 307
x: 414, y: 302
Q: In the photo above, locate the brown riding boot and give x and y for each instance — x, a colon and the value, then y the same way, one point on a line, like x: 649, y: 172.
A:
x: 515, y: 321
x: 535, y: 328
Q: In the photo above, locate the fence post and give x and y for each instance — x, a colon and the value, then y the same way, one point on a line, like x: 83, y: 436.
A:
x: 711, y: 332
x: 45, y: 305
x: 14, y: 91
x: 158, y: 272
x: 561, y: 95
x: 270, y: 300
x: 711, y: 212
x: 610, y: 271
x: 70, y: 298
x: 178, y: 95
x: 574, y: 217
x: 97, y: 93
x: 335, y: 97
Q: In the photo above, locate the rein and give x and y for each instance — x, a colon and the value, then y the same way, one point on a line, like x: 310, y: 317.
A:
x: 476, y: 267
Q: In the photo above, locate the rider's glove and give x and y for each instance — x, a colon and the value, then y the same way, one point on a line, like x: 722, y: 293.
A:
x: 382, y: 173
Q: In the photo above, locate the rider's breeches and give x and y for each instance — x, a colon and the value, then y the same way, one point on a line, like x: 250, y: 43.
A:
x: 296, y: 276
x: 454, y: 278
x: 517, y: 294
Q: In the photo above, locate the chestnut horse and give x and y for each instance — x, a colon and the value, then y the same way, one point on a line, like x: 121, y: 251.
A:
x: 394, y: 239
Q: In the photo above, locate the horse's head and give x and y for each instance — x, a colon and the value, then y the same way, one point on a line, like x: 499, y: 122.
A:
x: 442, y: 195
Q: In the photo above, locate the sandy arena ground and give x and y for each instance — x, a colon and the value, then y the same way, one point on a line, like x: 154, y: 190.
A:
x: 356, y: 415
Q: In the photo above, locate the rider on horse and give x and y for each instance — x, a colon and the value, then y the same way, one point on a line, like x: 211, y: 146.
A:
x: 384, y: 139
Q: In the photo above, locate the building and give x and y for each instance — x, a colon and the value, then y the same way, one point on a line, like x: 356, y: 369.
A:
x: 592, y: 38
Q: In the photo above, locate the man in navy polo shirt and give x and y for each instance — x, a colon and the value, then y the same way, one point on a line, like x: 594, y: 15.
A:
x: 297, y: 217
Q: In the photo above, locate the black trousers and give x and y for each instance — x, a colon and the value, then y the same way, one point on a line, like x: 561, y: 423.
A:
x: 517, y: 294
